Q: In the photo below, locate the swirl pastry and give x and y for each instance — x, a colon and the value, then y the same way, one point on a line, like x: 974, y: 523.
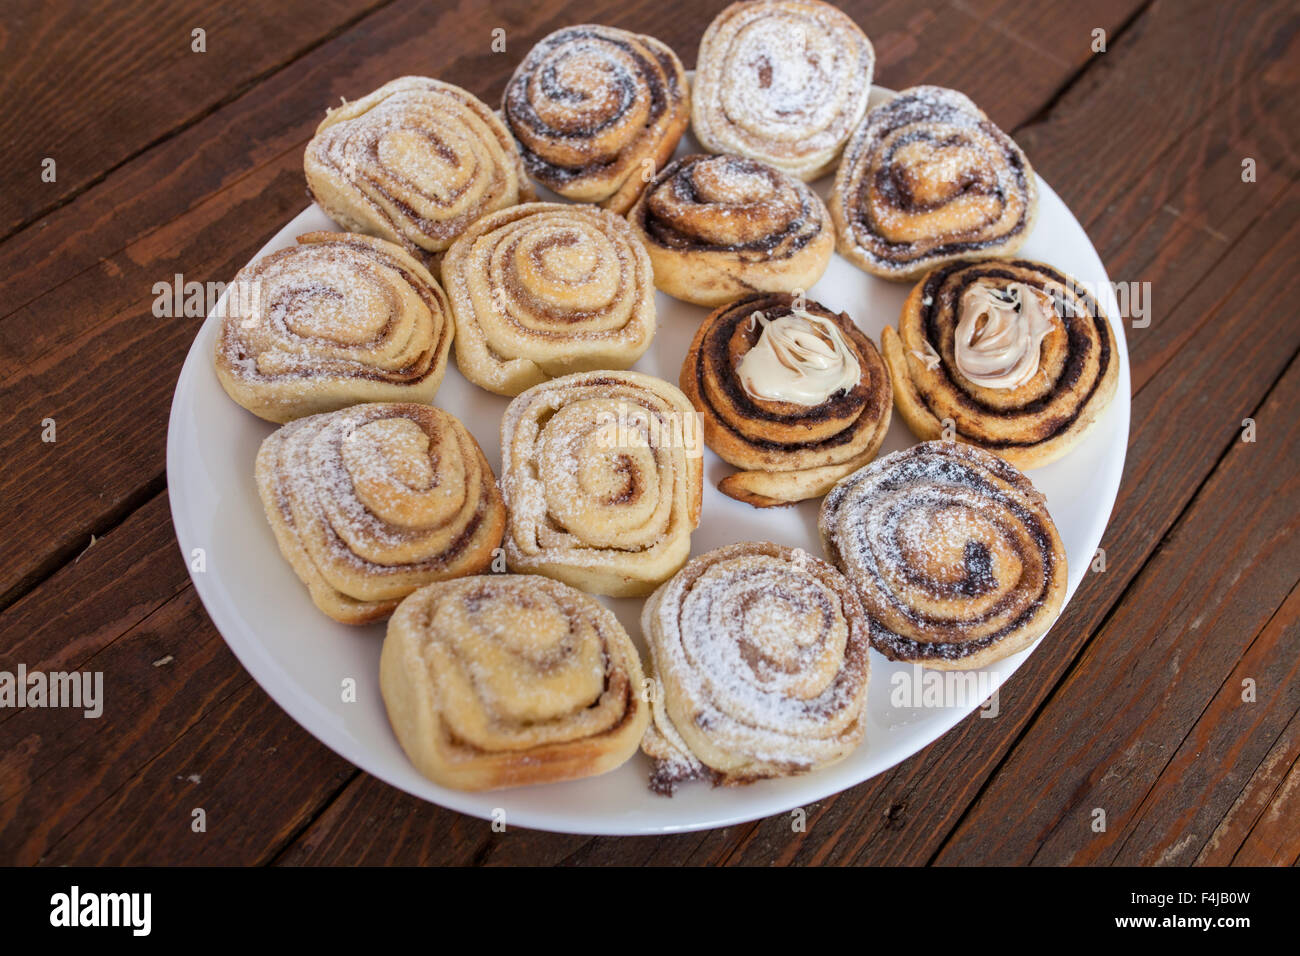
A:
x: 761, y: 665
x: 952, y: 552
x: 719, y: 227
x: 504, y: 680
x: 602, y: 475
x: 595, y: 109
x: 795, y: 398
x: 371, y: 502
x: 1013, y: 356
x: 335, y: 320
x: 544, y: 289
x: 415, y: 162
x: 927, y: 179
x: 782, y: 81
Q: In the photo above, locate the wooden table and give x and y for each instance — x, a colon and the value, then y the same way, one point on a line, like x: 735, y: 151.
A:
x: 171, y: 161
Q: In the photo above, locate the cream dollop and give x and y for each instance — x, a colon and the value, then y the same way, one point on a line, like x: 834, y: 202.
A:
x: 999, y: 333
x: 799, y: 358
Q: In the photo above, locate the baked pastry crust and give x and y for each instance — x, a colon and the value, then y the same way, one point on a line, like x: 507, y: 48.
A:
x: 370, y: 502
x: 926, y: 179
x: 1031, y: 425
x: 786, y: 452
x: 602, y: 477
x: 547, y: 289
x: 720, y: 227
x: 782, y: 81
x: 952, y: 552
x: 504, y: 680
x: 415, y: 162
x: 336, y: 320
x: 596, y: 111
x: 760, y: 660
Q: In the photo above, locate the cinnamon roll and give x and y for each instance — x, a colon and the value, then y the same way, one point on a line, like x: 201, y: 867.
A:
x: 601, y: 473
x: 415, y: 162
x: 782, y: 81
x: 794, y: 395
x: 951, y: 550
x: 760, y: 665
x: 371, y: 502
x: 335, y: 320
x: 1011, y: 356
x: 596, y: 111
x: 545, y: 289
x: 504, y: 680
x: 927, y: 179
x: 719, y: 227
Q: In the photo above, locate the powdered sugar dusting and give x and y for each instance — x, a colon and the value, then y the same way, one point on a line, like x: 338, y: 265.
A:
x: 785, y: 81
x: 766, y: 647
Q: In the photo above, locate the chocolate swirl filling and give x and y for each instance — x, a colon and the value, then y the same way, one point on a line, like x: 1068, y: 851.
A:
x: 951, y: 550
x: 929, y: 177
x: 732, y: 204
x: 589, y: 103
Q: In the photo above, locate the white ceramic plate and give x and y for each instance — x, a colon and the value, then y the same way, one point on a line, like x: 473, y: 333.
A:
x: 301, y: 658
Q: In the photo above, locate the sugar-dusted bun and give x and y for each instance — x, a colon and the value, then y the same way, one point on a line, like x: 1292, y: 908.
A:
x: 546, y: 289
x: 782, y: 81
x: 929, y: 179
x: 952, y: 552
x: 602, y: 477
x: 596, y: 111
x: 370, y: 502
x: 415, y: 162
x: 336, y: 320
x: 720, y: 227
x: 503, y: 680
x: 760, y: 662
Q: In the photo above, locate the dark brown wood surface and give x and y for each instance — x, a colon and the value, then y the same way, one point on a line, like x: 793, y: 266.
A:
x: 171, y: 161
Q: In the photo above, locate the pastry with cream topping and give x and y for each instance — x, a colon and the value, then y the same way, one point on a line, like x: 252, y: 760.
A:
x: 760, y: 664
x: 792, y: 394
x: 719, y: 227
x: 928, y: 178
x: 503, y: 680
x: 1017, y: 357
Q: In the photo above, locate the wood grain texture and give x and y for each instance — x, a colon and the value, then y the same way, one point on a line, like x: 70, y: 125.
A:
x: 1144, y: 142
x: 92, y: 84
x: 1133, y: 706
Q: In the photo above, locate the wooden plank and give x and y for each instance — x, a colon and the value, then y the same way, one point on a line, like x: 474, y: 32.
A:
x: 256, y: 776
x: 90, y: 85
x: 1139, y: 741
x: 1274, y: 841
x: 1148, y: 151
x: 1220, y: 758
x: 1250, y: 833
x: 126, y: 609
